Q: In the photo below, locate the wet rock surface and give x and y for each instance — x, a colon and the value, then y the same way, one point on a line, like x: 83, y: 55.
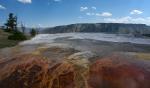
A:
x: 74, y: 65
x: 74, y: 71
x: 113, y: 72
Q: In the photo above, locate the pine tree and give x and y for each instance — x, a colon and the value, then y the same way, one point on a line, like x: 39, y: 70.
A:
x: 11, y: 24
x: 33, y: 32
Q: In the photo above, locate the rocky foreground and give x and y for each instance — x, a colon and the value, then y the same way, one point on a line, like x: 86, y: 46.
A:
x: 68, y: 68
x: 58, y: 65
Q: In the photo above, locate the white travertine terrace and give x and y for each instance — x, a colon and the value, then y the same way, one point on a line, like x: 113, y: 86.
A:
x: 50, y: 38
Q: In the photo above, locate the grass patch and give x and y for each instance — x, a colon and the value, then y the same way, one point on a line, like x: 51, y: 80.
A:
x: 4, y: 42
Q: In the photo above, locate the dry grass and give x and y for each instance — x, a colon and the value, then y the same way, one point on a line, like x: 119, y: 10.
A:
x: 145, y: 56
x: 4, y: 42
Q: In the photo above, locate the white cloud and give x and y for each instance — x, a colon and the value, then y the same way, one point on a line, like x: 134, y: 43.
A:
x: 2, y: 7
x: 25, y: 1
x: 118, y: 20
x: 128, y: 19
x: 39, y: 25
x: 93, y: 7
x: 104, y: 14
x: 90, y: 14
x: 136, y: 12
x: 148, y: 18
x: 83, y: 8
x: 57, y: 0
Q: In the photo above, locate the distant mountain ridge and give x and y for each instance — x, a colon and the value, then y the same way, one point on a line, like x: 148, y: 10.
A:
x: 100, y: 27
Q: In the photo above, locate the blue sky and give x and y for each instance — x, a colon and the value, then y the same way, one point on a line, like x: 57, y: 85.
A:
x: 48, y: 13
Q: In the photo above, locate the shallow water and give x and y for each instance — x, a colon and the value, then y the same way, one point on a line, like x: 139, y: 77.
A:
x: 49, y: 38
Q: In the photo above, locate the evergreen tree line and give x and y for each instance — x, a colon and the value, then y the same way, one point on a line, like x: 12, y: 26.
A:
x: 11, y: 26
